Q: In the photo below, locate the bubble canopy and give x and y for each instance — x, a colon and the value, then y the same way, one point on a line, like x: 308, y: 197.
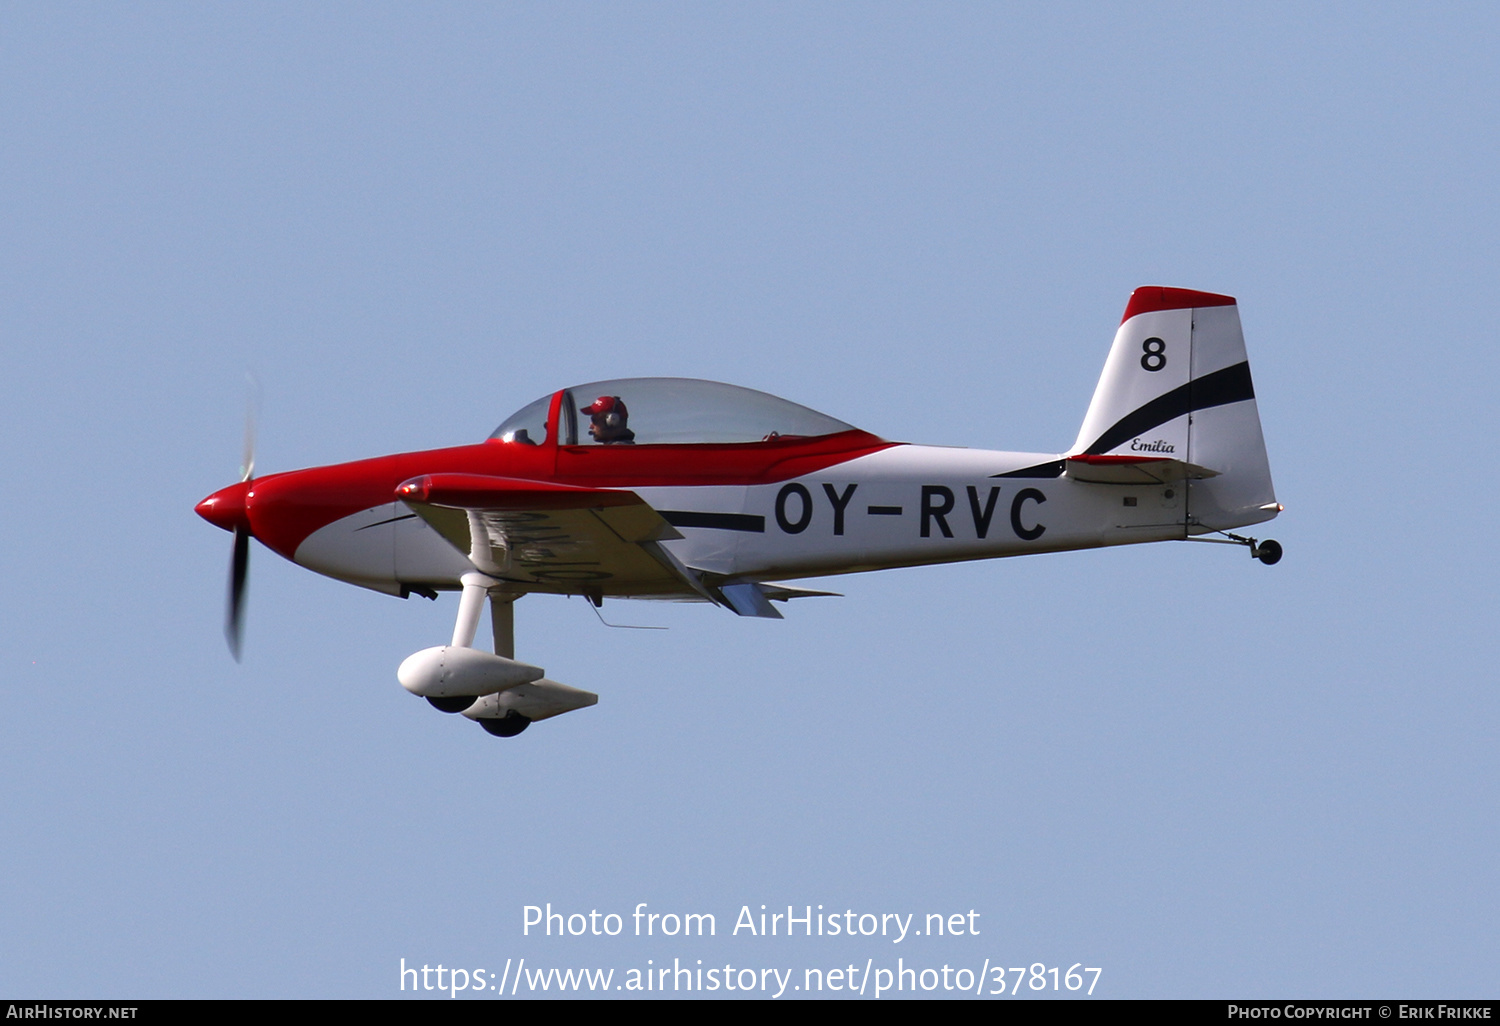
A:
x: 669, y: 411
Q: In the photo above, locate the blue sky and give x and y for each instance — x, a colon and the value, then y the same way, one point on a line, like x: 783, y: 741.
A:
x: 1207, y: 777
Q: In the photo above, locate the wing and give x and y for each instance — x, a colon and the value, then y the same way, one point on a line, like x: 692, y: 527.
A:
x: 553, y: 537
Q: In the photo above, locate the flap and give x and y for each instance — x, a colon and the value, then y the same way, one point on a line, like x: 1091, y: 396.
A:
x: 753, y: 598
x: 747, y: 599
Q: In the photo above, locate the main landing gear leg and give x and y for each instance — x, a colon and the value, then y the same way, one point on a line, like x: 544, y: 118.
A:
x: 470, y: 605
x: 476, y: 587
x: 503, y: 624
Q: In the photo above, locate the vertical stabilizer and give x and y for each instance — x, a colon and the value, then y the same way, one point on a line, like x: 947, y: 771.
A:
x: 1176, y: 385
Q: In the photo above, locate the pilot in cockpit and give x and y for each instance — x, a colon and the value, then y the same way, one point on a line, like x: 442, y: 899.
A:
x: 608, y: 421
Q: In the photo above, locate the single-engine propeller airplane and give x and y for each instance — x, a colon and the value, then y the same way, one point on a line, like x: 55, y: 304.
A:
x: 693, y: 490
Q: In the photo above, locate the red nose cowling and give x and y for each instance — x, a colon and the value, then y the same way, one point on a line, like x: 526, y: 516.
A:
x: 226, y: 507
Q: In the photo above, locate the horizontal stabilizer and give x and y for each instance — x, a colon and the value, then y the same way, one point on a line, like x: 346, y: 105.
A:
x: 1133, y: 470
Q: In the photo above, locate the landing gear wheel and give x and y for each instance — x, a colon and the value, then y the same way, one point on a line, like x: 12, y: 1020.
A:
x: 509, y: 725
x: 1268, y: 552
x: 452, y: 703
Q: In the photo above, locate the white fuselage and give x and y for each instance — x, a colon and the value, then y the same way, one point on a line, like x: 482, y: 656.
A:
x: 906, y: 505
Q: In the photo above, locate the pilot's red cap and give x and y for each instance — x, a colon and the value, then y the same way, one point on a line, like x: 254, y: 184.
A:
x: 605, y: 404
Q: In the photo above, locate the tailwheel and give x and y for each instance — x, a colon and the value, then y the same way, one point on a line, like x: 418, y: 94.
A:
x: 1268, y: 552
x: 509, y: 725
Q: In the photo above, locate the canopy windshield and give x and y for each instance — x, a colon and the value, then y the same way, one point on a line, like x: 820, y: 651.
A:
x: 657, y: 411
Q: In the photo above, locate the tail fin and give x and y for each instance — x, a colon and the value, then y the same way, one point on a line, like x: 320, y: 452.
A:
x: 1177, y: 386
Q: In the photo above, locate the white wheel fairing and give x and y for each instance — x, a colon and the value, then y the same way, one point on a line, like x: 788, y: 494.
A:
x: 447, y: 671
x: 538, y: 700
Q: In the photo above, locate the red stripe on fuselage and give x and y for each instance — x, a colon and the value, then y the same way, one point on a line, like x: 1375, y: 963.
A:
x: 284, y: 509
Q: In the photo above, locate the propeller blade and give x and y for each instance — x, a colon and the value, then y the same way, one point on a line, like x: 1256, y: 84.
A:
x: 239, y: 567
x: 247, y: 457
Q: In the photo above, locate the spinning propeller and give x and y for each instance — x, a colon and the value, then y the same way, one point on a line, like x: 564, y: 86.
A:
x: 226, y: 508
